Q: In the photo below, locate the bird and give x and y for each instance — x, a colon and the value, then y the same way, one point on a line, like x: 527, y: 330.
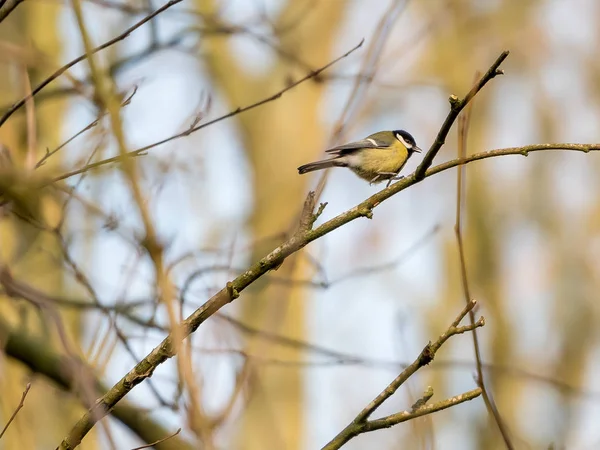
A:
x: 376, y: 158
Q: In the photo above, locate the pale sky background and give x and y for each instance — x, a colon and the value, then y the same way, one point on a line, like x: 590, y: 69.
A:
x: 391, y: 328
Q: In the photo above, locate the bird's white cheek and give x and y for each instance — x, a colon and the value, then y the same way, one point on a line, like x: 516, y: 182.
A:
x: 401, y: 139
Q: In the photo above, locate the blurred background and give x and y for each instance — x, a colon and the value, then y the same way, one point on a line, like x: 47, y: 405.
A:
x: 303, y: 350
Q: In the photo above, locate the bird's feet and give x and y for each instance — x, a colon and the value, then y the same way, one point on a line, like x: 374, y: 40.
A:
x: 394, y: 177
x: 391, y: 176
x: 374, y: 180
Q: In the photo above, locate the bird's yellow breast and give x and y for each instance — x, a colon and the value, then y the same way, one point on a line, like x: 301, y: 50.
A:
x: 380, y: 161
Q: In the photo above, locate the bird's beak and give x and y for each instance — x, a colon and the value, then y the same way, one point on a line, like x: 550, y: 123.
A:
x: 416, y: 149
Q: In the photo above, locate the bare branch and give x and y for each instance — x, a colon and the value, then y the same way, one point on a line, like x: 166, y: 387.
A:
x: 169, y: 346
x: 49, y: 153
x: 361, y: 424
x: 14, y: 414
x: 456, y: 106
x: 8, y: 6
x: 394, y: 419
x: 166, y: 349
x: 158, y: 441
x: 80, y: 58
x: 370, y: 64
x: 193, y: 129
x: 463, y: 130
x: 41, y: 358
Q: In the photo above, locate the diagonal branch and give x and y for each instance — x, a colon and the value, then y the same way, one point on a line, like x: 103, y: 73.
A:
x: 361, y: 424
x: 40, y: 358
x: 8, y: 6
x: 168, y: 347
x: 77, y: 60
x: 456, y: 106
x: 404, y: 416
x: 17, y: 409
x: 231, y: 291
x: 195, y: 127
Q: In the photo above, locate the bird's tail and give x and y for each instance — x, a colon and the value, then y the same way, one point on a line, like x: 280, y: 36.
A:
x: 318, y: 165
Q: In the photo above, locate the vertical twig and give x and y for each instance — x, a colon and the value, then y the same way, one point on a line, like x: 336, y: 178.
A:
x: 31, y: 124
x: 369, y: 68
x: 70, y: 64
x: 362, y: 423
x: 456, y: 106
x: 108, y: 100
x: 463, y: 130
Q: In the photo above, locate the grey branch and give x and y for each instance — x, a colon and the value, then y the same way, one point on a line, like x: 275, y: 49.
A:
x: 362, y: 424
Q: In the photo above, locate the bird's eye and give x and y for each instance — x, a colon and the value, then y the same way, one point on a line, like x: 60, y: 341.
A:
x: 407, y: 142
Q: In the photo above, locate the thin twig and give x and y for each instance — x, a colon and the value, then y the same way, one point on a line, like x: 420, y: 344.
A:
x: 168, y: 347
x: 49, y: 153
x: 31, y: 123
x: 107, y: 99
x: 231, y: 291
x: 426, y: 356
x: 394, y: 419
x: 361, y: 424
x: 196, y: 127
x: 390, y: 265
x: 80, y: 58
x: 42, y: 358
x: 88, y: 127
x: 336, y: 358
x: 14, y: 414
x: 151, y: 242
x: 368, y: 70
x: 159, y: 441
x: 456, y: 106
x: 324, y: 282
x: 463, y: 130
x: 369, y: 65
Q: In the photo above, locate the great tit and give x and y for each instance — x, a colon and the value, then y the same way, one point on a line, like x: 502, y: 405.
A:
x: 376, y: 158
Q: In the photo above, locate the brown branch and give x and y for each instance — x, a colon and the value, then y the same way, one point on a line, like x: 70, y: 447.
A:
x: 80, y: 58
x: 39, y: 357
x: 335, y: 357
x: 107, y: 98
x: 31, y: 123
x: 153, y: 444
x: 361, y: 424
x: 49, y: 153
x: 463, y: 130
x: 456, y: 106
x: 231, y: 291
x: 8, y: 6
x: 369, y: 65
x: 168, y: 347
x: 16, y: 289
x: 394, y: 419
x: 195, y: 127
x: 14, y: 414
x: 361, y: 84
x: 113, y: 68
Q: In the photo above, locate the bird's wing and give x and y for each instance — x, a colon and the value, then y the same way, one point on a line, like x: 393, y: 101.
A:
x: 353, y: 146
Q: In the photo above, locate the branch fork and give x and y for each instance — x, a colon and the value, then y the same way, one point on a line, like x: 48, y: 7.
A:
x: 361, y: 424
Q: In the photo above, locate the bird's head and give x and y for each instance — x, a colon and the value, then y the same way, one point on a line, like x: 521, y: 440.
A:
x: 407, y: 140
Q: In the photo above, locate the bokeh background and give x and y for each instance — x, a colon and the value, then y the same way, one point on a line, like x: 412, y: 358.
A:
x: 314, y: 342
